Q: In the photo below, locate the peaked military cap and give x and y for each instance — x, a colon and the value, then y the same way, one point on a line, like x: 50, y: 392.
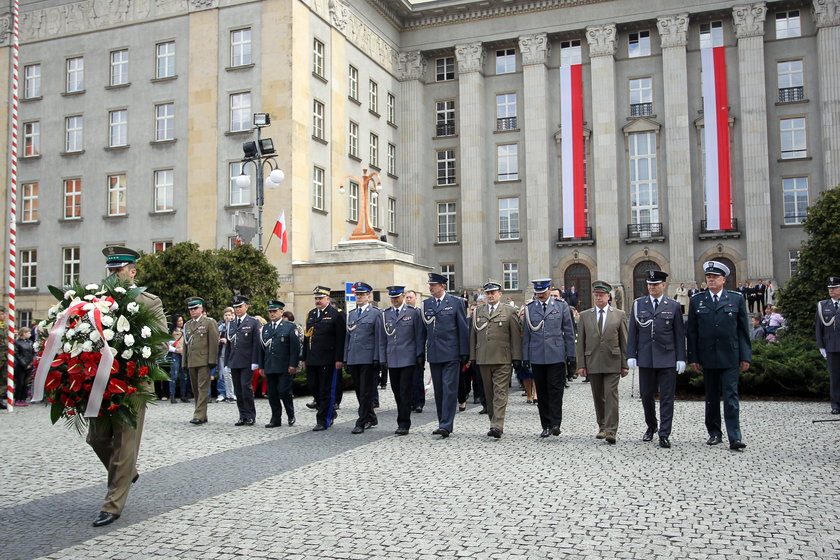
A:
x: 275, y: 305
x: 321, y: 291
x: 715, y: 267
x: 656, y: 276
x: 541, y: 285
x: 118, y: 257
x: 435, y: 278
x: 362, y: 288
x: 834, y: 281
x: 239, y: 300
x: 193, y: 302
x: 492, y: 286
x: 395, y: 291
x: 601, y: 286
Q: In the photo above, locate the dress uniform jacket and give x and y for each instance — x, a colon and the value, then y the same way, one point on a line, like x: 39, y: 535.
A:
x: 828, y: 329
x: 656, y: 338
x: 365, y: 341
x: 496, y: 338
x: 548, y: 338
x: 405, y: 336
x: 244, y: 346
x: 201, y: 342
x: 602, y: 352
x: 324, y: 337
x: 447, y: 333
x: 718, y: 334
x: 279, y: 347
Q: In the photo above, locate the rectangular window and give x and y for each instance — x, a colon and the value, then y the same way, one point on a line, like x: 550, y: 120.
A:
x: 445, y: 69
x: 392, y: 215
x: 793, y: 261
x: 161, y: 246
x: 32, y: 81
x: 373, y: 210
x: 119, y: 67
x: 570, y: 52
x: 510, y: 276
x: 354, y: 201
x: 75, y: 74
x: 374, y: 150
x: 70, y: 262
x: 638, y: 44
x: 116, y: 195
x: 164, y: 122
x: 793, y: 138
x: 507, y: 162
x: 353, y: 140
x: 391, y: 109
x: 240, y: 111
x: 448, y: 270
x: 445, y: 118
x: 29, y: 197
x: 787, y: 24
x: 392, y: 159
x: 791, y: 81
x: 239, y: 195
x: 240, y: 47
x: 165, y: 60
x: 318, y: 119
x: 447, y: 232
x: 317, y: 188
x: 118, y: 128
x: 505, y: 61
x: 506, y: 111
x: 72, y: 198
x: 74, y: 134
x: 373, y: 96
x: 28, y: 274
x: 31, y: 139
x: 164, y: 190
x: 795, y: 191
x: 445, y: 168
x: 644, y: 193
x: 353, y: 83
x: 318, y: 58
x: 508, y: 218
x: 641, y: 97
x: 711, y: 34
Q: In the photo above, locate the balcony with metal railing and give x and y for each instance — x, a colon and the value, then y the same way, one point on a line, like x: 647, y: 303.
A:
x: 731, y: 232
x: 586, y: 239
x: 641, y: 109
x: 505, y: 123
x: 447, y: 237
x: 643, y: 233
x: 791, y: 94
x: 445, y: 128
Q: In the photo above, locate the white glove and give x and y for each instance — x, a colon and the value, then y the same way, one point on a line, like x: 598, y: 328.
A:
x: 631, y: 363
x: 255, y: 367
x: 822, y: 351
x: 227, y: 369
x: 680, y: 367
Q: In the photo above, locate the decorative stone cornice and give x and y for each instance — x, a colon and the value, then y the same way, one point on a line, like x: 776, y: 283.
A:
x: 411, y: 66
x: 470, y: 57
x: 339, y: 14
x: 827, y: 13
x: 749, y: 20
x: 601, y: 40
x: 534, y: 48
x: 672, y: 30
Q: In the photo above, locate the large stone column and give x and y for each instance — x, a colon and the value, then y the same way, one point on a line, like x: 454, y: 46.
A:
x: 749, y: 28
x: 535, y: 50
x: 604, y: 168
x: 473, y: 155
x: 414, y: 160
x: 672, y: 32
x: 827, y: 16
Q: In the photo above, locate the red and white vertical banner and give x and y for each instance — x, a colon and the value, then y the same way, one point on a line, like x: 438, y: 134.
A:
x: 718, y: 186
x: 10, y: 316
x: 571, y: 121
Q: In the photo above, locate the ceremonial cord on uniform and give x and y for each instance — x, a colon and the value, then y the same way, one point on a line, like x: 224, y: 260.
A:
x: 475, y: 321
x: 385, y: 326
x: 528, y: 320
x: 822, y: 318
x: 642, y: 324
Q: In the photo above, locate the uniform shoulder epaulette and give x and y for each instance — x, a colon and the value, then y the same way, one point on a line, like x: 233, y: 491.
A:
x: 736, y: 292
x: 700, y: 293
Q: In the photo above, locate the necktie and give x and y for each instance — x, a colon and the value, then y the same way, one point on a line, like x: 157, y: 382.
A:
x: 492, y: 309
x: 438, y: 303
x: 318, y: 314
x: 238, y: 322
x: 655, y: 303
x: 600, y: 320
x: 835, y: 306
x: 545, y: 306
x: 715, y: 298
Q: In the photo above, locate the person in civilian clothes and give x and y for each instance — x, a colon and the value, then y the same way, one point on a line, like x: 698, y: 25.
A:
x: 323, y: 355
x: 418, y: 383
x: 364, y: 348
x: 200, y: 355
x: 279, y: 356
x: 828, y: 339
x: 405, y: 337
x: 656, y: 343
x: 242, y: 357
x: 718, y: 332
x: 548, y: 345
x: 447, y: 348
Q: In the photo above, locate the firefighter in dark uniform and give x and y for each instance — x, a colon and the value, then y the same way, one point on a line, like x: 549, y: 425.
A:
x: 243, y: 355
x: 828, y: 338
x: 323, y: 355
x: 279, y: 356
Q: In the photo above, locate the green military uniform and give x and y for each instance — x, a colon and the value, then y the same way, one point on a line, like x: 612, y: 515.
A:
x: 201, y: 351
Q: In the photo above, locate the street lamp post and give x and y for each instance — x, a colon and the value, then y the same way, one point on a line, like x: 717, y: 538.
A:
x: 261, y: 154
x: 369, y: 185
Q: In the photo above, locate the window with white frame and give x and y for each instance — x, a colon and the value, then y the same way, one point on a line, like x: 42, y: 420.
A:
x: 70, y: 264
x: 318, y: 58
x: 119, y: 67
x: 118, y: 128
x: 353, y: 83
x: 239, y: 196
x: 73, y: 198
x: 445, y: 118
x: 161, y: 246
x: 164, y: 190
x: 447, y: 229
x: 353, y: 139
x: 164, y: 122
x: 240, y: 47
x: 75, y: 74
x: 445, y: 168
x: 117, y: 194
x: 373, y: 96
x: 638, y: 44
x: 791, y: 81
x: 793, y: 138
x: 508, y: 218
x: 644, y: 192
x: 570, y: 52
x: 318, y: 119
x: 506, y: 111
x: 240, y: 111
x: 392, y: 159
x: 374, y: 150
x: 74, y: 133
x: 445, y: 69
x: 641, y: 97
x: 29, y: 200
x: 788, y: 25
x: 353, y: 198
x: 711, y: 34
x: 392, y: 215
x: 795, y: 192
x: 793, y: 261
x: 165, y: 60
x: 318, y: 188
x: 505, y: 61
x: 507, y: 162
x: 373, y: 210
x: 391, y: 109
x: 32, y: 81
x: 28, y: 273
x: 448, y: 272
x: 510, y: 276
x: 31, y: 139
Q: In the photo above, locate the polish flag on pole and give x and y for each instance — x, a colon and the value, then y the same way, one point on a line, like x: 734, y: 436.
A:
x: 718, y: 186
x: 281, y: 232
x: 571, y: 119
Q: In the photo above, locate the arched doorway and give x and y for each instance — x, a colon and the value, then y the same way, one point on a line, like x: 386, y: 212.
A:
x: 578, y: 275
x: 731, y: 280
x: 640, y: 273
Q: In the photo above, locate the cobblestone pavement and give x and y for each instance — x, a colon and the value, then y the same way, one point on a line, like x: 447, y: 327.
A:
x: 221, y: 492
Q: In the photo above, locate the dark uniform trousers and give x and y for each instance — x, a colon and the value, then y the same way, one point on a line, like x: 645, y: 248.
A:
x: 364, y: 378
x: 551, y: 384
x: 402, y: 384
x: 726, y: 380
x: 445, y: 377
x: 279, y: 386
x: 666, y: 380
x: 243, y: 387
x: 418, y: 386
x: 327, y: 384
x: 833, y: 363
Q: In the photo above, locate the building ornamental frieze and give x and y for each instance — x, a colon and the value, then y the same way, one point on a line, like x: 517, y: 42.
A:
x: 749, y: 20
x: 535, y: 49
x: 339, y: 14
x: 411, y: 66
x: 200, y: 5
x: 470, y: 57
x: 601, y: 39
x: 827, y: 13
x: 672, y: 30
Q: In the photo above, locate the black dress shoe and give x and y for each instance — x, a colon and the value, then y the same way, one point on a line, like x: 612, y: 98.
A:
x: 495, y: 432
x: 273, y: 425
x: 437, y: 432
x: 555, y: 430
x: 105, y: 518
x: 648, y: 436
x: 196, y: 421
x: 311, y: 404
x: 241, y: 422
x: 836, y: 411
x: 664, y: 442
x: 357, y: 430
x: 401, y: 431
x: 444, y: 433
x: 546, y: 432
x: 292, y: 421
x: 250, y: 422
x: 371, y: 423
x: 136, y: 476
x: 173, y: 400
x: 737, y: 445
x: 185, y: 400
x: 713, y: 440
x: 318, y: 428
x: 483, y: 410
x: 418, y: 409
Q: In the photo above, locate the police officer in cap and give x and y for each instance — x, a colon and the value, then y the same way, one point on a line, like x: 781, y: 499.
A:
x: 323, y: 355
x: 201, y: 352
x: 242, y: 357
x: 656, y: 344
x: 828, y: 338
x: 718, y: 332
x: 279, y: 356
x: 364, y: 349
